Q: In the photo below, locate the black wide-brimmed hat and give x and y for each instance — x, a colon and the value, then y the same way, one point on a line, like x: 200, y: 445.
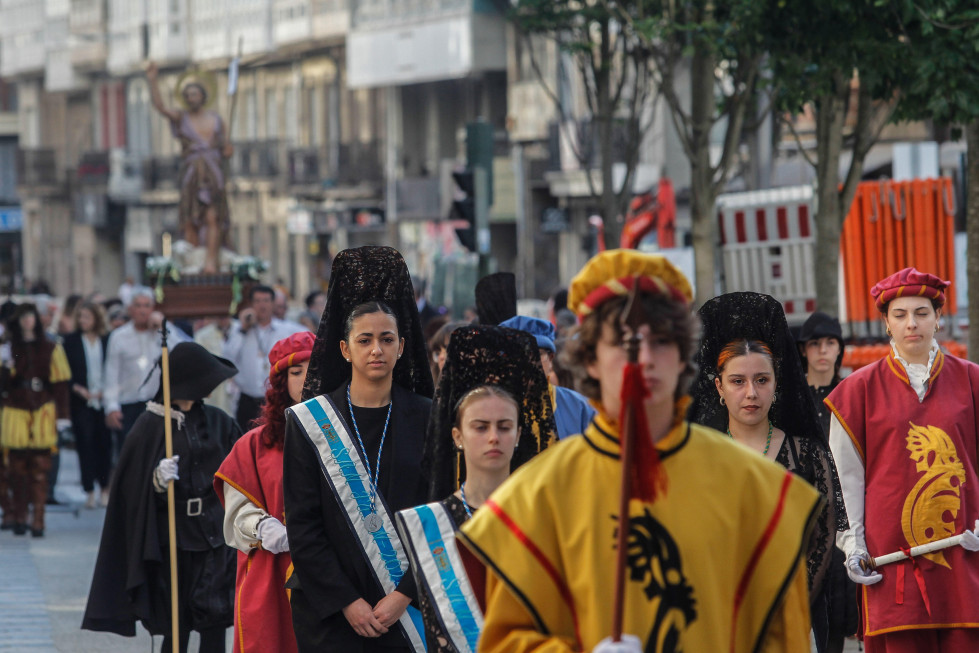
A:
x: 195, y: 372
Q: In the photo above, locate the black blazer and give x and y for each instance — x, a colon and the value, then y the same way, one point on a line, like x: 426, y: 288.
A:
x: 329, y: 564
x: 75, y: 352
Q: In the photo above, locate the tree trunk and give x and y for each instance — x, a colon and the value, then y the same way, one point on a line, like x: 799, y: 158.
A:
x: 603, y: 81
x: 972, y: 232
x: 702, y: 106
x: 830, y: 114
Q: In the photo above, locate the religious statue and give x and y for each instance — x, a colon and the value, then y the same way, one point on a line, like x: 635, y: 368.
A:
x: 203, y: 205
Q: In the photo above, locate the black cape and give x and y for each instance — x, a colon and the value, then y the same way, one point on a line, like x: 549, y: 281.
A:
x: 131, y: 579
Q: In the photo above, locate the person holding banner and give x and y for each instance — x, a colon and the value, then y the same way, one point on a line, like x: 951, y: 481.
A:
x: 352, y: 458
x: 715, y: 533
x: 904, y: 433
x: 131, y: 581
x: 249, y: 484
x: 478, y: 433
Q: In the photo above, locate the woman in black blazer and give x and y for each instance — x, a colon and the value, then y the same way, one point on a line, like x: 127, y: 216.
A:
x: 86, y: 348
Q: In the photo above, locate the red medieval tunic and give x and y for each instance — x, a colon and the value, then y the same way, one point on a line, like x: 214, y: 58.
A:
x: 921, y: 485
x: 263, y: 619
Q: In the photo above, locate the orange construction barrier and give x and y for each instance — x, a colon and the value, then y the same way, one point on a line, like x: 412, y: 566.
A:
x: 892, y: 225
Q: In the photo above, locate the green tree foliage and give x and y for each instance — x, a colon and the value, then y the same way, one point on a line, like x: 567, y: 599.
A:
x: 942, y: 39
x: 610, y: 66
x: 817, y: 51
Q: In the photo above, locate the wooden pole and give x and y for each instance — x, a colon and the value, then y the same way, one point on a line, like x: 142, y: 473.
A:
x: 631, y: 320
x: 171, y: 502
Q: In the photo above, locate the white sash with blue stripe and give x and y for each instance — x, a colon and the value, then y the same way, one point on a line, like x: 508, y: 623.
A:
x: 343, y: 468
x: 429, y: 535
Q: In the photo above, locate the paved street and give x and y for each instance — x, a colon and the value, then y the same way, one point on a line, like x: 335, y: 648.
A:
x: 44, y: 583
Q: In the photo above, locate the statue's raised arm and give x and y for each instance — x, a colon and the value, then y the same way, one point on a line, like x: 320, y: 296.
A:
x: 204, y: 219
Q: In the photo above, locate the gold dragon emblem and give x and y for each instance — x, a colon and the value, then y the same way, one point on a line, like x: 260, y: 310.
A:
x: 932, y: 506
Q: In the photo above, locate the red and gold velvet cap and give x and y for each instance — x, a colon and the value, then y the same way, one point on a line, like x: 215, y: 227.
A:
x: 909, y: 282
x: 291, y: 351
x: 612, y: 273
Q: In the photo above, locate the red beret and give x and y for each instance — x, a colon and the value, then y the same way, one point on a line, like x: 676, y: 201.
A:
x: 909, y: 283
x: 291, y: 351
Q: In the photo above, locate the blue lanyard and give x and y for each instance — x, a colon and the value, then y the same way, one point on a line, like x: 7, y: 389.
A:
x: 363, y: 450
x: 465, y: 504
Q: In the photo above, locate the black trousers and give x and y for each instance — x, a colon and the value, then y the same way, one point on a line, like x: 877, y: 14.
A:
x: 249, y: 408
x: 93, y: 441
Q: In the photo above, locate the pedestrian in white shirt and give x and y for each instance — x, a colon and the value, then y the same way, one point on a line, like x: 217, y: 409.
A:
x: 248, y: 348
x: 131, y: 375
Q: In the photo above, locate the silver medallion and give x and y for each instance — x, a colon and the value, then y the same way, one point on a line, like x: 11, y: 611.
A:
x: 373, y: 522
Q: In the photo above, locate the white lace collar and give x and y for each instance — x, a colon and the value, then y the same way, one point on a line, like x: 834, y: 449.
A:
x: 159, y: 409
x: 918, y: 373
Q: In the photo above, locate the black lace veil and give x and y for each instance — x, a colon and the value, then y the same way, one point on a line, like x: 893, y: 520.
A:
x: 752, y: 316
x: 486, y: 355
x: 361, y: 275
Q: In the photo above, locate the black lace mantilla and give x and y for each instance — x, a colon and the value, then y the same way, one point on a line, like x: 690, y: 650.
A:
x: 361, y: 275
x: 811, y: 459
x: 486, y: 355
x: 752, y: 316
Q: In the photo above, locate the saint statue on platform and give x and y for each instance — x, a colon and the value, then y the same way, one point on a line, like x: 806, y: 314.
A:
x: 204, y: 219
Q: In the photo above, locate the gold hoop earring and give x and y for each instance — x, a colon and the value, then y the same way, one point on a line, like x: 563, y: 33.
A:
x: 888, y: 330
x: 722, y: 401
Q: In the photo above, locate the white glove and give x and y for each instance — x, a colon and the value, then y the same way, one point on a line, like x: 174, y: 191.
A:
x: 62, y: 425
x: 857, y: 573
x: 166, y: 471
x: 629, y: 644
x: 970, y: 542
x: 272, y: 533
x: 6, y: 355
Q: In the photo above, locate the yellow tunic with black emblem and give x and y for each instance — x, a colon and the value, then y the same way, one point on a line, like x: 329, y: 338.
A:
x: 35, y: 396
x: 715, y: 565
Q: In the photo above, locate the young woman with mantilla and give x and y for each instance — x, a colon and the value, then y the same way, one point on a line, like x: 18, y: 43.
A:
x: 478, y: 434
x: 352, y: 458
x: 753, y: 389
x: 904, y: 433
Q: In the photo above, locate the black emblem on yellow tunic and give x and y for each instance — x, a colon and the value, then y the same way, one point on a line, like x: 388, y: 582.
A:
x: 653, y: 558
x: 932, y: 506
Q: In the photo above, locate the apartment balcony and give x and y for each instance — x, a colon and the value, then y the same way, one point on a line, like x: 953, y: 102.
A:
x: 160, y: 173
x: 386, y: 13
x: 361, y: 163
x: 89, y: 51
x: 395, y: 42
x: 125, y: 176
x: 257, y: 159
x: 38, y: 168
x: 292, y: 21
x: 305, y: 167
x: 93, y: 169
x: 331, y: 19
